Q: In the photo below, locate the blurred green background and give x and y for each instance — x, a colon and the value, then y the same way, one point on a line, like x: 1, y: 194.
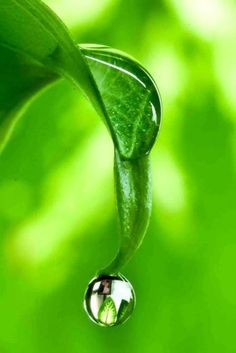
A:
x: 55, y: 234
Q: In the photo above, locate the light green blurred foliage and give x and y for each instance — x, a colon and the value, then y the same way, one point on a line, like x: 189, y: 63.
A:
x: 55, y: 234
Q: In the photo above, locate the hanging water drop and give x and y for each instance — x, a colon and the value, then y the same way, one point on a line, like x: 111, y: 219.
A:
x: 109, y: 300
x: 132, y: 113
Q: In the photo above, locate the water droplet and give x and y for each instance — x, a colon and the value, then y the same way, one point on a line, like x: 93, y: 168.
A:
x: 130, y: 97
x: 109, y: 300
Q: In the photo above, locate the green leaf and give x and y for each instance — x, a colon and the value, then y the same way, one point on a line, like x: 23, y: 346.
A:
x: 107, y: 312
x: 21, y: 78
x: 32, y: 33
x: 130, y: 97
x: 35, y: 50
x: 134, y: 201
x: 133, y: 117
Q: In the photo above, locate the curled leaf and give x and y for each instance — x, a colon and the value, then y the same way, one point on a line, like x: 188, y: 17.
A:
x: 134, y: 202
x: 130, y: 97
x: 35, y: 50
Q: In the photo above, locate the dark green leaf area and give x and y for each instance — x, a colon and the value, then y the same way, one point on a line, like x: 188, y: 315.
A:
x: 33, y: 29
x: 130, y: 97
x: 37, y: 42
x: 20, y: 79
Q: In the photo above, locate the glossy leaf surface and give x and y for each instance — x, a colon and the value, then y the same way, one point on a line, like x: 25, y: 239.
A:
x: 130, y: 97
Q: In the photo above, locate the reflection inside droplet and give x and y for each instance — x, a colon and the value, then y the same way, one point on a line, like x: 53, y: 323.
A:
x: 109, y: 300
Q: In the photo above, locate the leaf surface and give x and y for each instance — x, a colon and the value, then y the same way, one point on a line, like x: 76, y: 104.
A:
x: 130, y: 97
x: 36, y: 48
x: 134, y: 203
x: 20, y: 79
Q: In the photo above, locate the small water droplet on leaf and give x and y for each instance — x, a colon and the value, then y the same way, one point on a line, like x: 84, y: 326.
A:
x: 109, y: 300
